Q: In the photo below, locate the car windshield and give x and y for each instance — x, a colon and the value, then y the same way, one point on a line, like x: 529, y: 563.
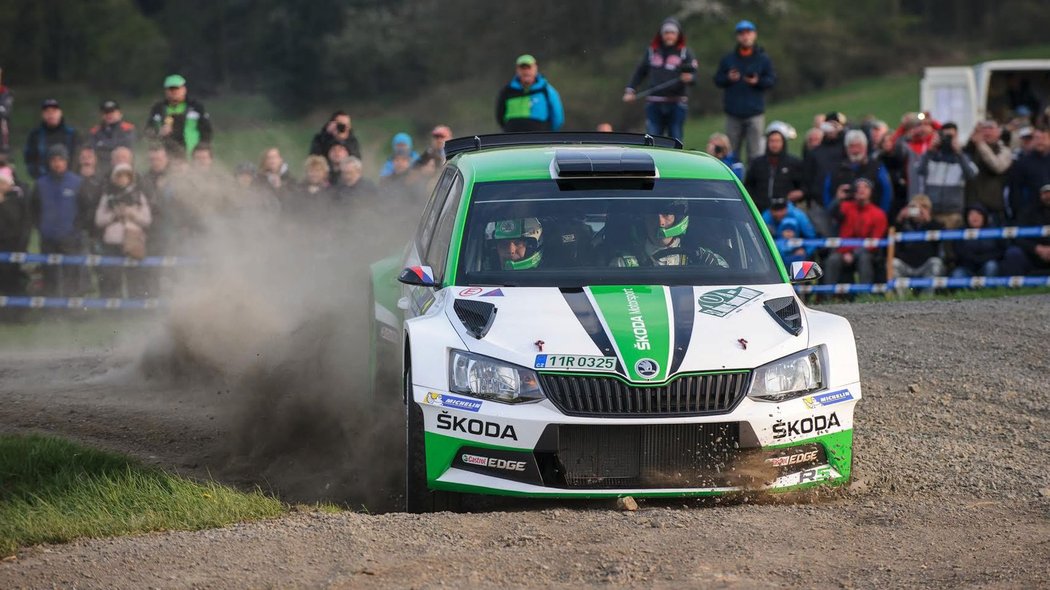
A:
x: 612, y: 231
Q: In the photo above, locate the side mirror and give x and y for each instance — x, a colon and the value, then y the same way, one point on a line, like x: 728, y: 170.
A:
x: 418, y: 276
x: 805, y: 271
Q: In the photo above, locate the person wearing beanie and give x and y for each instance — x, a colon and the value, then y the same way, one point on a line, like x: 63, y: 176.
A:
x: 776, y: 174
x: 671, y: 69
x: 123, y: 216
x: 179, y: 122
x: 400, y: 145
x: 745, y: 74
x: 53, y: 130
x: 58, y: 213
x: 529, y: 102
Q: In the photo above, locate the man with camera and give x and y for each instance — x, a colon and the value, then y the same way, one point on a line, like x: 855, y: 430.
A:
x: 993, y: 160
x: 918, y: 259
x: 942, y: 174
x: 338, y: 130
x: 745, y: 74
x: 859, y: 164
x: 857, y: 217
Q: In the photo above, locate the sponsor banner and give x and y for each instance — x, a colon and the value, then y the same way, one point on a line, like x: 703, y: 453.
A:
x: 827, y: 399
x: 814, y: 425
x: 722, y: 302
x: 514, y: 465
x: 450, y: 401
x: 639, y: 322
x: 476, y: 427
x: 563, y: 362
x: 480, y: 292
x: 812, y: 475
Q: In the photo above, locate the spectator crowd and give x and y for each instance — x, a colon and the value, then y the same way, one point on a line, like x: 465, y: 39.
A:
x: 854, y: 179
x: 860, y: 180
x: 85, y: 194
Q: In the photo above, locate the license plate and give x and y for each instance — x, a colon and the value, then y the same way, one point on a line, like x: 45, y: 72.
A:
x: 566, y: 362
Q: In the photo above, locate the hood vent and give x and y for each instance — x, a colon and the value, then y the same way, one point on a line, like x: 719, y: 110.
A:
x: 786, y: 312
x: 477, y: 316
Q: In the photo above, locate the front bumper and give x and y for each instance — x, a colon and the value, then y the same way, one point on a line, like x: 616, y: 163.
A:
x: 535, y: 450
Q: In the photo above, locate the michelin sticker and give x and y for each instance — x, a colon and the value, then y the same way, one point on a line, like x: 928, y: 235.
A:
x: 444, y: 400
x: 827, y: 399
x: 722, y: 302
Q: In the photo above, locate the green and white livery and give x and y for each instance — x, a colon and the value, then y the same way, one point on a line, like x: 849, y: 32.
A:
x: 533, y: 362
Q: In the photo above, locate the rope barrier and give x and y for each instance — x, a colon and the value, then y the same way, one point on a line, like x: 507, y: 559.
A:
x: 927, y: 283
x: 78, y: 303
x: 938, y: 235
x: 91, y: 260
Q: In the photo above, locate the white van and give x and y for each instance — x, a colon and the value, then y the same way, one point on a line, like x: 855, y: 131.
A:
x: 968, y: 94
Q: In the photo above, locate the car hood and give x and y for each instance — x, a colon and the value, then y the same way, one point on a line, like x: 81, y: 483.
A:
x: 654, y: 332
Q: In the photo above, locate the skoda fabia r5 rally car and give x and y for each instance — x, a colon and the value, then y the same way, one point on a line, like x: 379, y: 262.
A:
x: 595, y: 315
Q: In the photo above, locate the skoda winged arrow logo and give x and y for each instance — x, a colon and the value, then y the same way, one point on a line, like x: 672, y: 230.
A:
x: 646, y: 368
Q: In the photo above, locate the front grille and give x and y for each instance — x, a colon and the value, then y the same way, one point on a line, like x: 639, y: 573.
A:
x: 643, y: 456
x: 688, y: 395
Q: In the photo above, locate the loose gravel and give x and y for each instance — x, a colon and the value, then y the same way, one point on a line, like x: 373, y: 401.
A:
x: 951, y: 489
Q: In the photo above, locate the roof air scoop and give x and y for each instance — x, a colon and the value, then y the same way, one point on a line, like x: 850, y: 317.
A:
x: 582, y: 163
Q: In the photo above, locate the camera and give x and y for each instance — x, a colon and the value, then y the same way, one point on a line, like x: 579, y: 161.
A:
x: 914, y: 211
x: 947, y: 139
x: 341, y: 127
x: 720, y: 151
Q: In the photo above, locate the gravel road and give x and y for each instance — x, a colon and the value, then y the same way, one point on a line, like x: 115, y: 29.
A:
x: 952, y: 485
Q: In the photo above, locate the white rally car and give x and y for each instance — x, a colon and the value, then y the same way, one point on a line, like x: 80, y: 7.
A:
x: 596, y: 315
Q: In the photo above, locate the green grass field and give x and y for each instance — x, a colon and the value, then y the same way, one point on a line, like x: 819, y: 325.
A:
x: 53, y: 491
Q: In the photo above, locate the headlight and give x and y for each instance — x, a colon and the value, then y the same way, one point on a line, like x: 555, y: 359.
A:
x: 790, y: 377
x: 483, y: 377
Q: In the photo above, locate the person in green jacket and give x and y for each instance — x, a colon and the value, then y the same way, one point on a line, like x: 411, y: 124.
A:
x: 178, y: 122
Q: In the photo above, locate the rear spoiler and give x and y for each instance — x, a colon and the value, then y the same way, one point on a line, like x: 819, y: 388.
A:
x: 552, y: 138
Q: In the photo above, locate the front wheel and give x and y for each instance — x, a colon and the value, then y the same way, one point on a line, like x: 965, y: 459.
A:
x: 418, y: 497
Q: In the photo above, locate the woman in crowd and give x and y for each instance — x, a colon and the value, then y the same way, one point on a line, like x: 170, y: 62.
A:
x: 123, y: 216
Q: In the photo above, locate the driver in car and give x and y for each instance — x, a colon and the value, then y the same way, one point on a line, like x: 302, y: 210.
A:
x: 517, y: 242
x: 662, y: 243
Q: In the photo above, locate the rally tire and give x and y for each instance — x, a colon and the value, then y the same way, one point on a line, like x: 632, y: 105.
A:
x: 418, y: 497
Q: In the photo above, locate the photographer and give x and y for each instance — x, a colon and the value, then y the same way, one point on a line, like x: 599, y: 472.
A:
x: 718, y: 146
x: 338, y: 130
x: 942, y: 174
x: 123, y: 215
x: 857, y: 217
x: 918, y: 259
x: 993, y: 160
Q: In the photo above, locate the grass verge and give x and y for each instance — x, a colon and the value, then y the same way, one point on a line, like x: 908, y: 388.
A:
x: 54, y: 491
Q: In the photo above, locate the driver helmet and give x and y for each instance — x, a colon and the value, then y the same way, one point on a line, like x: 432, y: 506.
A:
x: 680, y: 210
x: 526, y: 228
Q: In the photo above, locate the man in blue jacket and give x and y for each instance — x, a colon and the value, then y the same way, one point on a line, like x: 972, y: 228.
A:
x: 529, y: 102
x: 745, y: 74
x: 58, y: 216
x: 53, y: 130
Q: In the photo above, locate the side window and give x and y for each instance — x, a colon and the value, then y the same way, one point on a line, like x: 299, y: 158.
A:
x: 430, y: 214
x: 437, y: 253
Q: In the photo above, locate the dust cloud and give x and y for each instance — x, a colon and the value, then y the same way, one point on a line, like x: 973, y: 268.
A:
x: 275, y: 318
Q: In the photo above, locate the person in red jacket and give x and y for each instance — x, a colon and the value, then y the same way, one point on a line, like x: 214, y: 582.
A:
x: 857, y: 217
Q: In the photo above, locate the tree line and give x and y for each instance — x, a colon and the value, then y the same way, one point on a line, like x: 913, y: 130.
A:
x: 308, y: 54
